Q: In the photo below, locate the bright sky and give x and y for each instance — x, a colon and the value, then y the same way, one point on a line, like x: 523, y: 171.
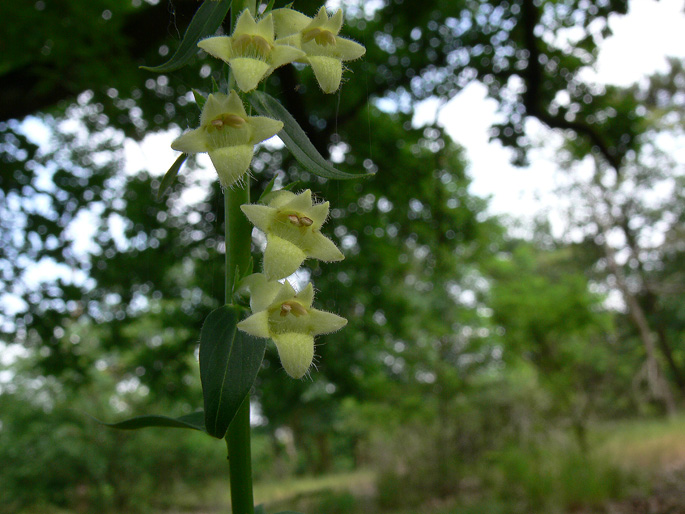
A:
x: 641, y: 41
x: 521, y: 192
x: 639, y: 46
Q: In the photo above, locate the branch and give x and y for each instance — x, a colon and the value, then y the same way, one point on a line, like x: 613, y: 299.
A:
x: 24, y: 90
x: 533, y: 77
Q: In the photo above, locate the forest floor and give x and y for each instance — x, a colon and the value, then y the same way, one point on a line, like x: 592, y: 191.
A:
x: 667, y: 496
x: 652, y: 450
x: 657, y: 450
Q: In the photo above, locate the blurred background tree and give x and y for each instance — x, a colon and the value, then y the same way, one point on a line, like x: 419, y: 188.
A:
x: 464, y: 341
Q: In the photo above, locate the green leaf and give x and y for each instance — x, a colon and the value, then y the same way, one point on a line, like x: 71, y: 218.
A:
x: 229, y: 362
x: 293, y: 185
x: 296, y: 140
x: 170, y: 175
x: 269, y: 7
x: 259, y: 509
x: 194, y: 421
x: 205, y: 22
x: 268, y: 188
x: 200, y: 99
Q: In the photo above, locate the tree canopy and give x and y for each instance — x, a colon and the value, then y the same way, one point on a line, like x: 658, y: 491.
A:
x: 439, y: 297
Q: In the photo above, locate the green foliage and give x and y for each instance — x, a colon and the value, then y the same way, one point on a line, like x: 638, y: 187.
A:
x: 181, y: 244
x: 555, y: 479
x: 449, y: 440
x: 551, y: 319
x: 337, y: 503
x: 296, y: 140
x: 193, y: 421
x: 229, y: 362
x: 98, y: 470
x: 462, y: 344
x: 207, y: 19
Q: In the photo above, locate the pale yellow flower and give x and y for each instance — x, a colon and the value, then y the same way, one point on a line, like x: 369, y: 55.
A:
x: 292, y: 224
x: 228, y: 134
x: 290, y: 321
x: 318, y: 38
x: 251, y: 51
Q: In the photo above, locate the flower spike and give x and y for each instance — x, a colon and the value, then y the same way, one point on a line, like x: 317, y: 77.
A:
x: 228, y: 134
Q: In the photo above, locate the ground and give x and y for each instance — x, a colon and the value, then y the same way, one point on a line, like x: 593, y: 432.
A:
x: 651, y: 450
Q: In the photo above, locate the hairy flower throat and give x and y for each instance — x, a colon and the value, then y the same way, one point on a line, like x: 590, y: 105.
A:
x: 322, y: 37
x: 247, y: 45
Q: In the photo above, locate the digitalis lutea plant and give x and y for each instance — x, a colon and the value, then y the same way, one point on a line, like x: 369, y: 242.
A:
x: 292, y: 223
x: 231, y: 343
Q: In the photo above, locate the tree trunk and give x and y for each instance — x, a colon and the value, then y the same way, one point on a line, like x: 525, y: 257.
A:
x: 667, y: 351
x: 658, y: 385
x: 650, y: 304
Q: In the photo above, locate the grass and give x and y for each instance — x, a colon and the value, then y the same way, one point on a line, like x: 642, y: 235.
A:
x: 626, y: 457
x: 275, y: 495
x: 651, y: 445
x: 550, y: 479
x: 359, y: 483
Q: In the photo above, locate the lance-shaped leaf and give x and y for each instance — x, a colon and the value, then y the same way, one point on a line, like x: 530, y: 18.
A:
x: 229, y: 362
x: 200, y: 99
x: 296, y: 140
x: 170, y: 175
x: 194, y: 421
x: 205, y: 22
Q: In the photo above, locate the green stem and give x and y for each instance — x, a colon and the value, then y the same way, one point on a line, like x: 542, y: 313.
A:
x: 240, y: 460
x: 238, y: 234
x: 238, y: 241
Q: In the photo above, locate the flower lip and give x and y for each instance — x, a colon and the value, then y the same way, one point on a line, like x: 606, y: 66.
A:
x: 232, y: 120
x: 246, y: 45
x: 321, y: 36
x: 292, y: 307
